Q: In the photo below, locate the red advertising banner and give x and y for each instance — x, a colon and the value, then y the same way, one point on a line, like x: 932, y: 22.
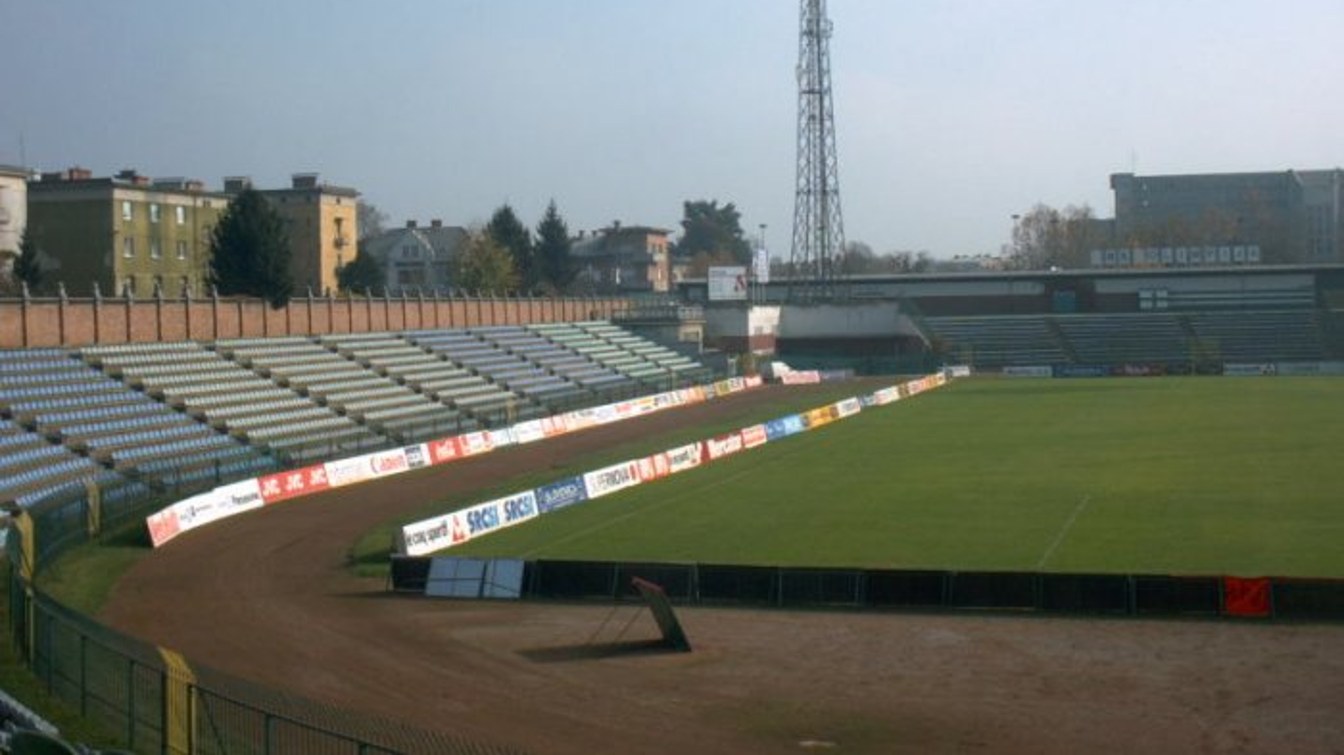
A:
x: 1246, y: 597
x: 283, y: 486
x: 444, y: 450
x: 753, y: 436
x: 163, y: 526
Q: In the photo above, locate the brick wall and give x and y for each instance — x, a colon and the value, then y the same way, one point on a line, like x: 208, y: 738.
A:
x: 81, y: 322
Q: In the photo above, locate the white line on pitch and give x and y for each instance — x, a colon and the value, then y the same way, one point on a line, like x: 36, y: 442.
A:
x: 1064, y: 531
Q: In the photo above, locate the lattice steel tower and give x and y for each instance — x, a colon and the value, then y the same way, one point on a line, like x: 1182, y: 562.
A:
x: 818, y: 229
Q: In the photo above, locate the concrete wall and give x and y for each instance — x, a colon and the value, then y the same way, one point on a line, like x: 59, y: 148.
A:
x: 53, y: 322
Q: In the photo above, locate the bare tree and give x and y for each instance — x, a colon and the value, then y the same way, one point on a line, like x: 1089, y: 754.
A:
x: 1046, y: 238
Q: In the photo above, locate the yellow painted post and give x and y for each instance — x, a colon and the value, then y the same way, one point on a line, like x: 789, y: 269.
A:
x: 179, y: 685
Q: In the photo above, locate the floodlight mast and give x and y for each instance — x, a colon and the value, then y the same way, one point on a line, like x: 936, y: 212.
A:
x: 818, y: 226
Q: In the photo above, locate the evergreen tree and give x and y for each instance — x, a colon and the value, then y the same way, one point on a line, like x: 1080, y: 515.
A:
x: 483, y: 264
x: 552, y: 251
x: 26, y: 267
x: 249, y: 251
x: 362, y: 273
x: 509, y: 232
x: 716, y: 231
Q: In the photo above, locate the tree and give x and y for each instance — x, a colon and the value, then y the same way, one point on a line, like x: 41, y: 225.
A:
x: 717, y: 231
x: 483, y: 264
x: 552, y: 251
x: 371, y: 220
x: 1047, y: 238
x: 510, y: 233
x: 249, y: 251
x: 27, y: 268
x: 362, y: 273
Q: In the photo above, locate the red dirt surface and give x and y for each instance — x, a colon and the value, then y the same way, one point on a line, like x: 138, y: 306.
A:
x: 268, y: 596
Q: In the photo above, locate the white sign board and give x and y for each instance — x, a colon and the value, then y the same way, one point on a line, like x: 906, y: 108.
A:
x: 728, y: 283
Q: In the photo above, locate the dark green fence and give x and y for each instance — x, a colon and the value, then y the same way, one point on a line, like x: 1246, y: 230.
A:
x: 136, y: 691
x: 822, y: 588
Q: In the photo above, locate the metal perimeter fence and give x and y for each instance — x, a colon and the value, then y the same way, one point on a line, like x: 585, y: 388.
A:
x: 150, y: 698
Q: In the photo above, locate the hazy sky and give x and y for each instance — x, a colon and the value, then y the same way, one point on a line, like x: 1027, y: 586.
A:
x: 951, y: 115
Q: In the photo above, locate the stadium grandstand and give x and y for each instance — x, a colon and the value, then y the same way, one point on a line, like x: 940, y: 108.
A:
x: 127, y: 420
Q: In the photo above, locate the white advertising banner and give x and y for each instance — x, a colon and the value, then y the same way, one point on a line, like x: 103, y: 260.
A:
x: 610, y: 479
x: 685, y: 457
x: 728, y: 283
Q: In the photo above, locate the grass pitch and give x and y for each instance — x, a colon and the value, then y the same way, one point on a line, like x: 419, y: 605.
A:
x: 1147, y: 475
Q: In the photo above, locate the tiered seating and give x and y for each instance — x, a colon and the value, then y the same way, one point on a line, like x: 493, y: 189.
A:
x: 536, y: 381
x: 159, y: 443
x: 574, y: 365
x: 680, y: 366
x: 1261, y: 336
x: 278, y: 418
x: 1126, y: 338
x: 386, y: 401
x: 36, y: 384
x: 477, y: 392
x: 998, y: 340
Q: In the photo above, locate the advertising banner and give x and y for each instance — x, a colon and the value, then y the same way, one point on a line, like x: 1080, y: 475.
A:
x: 501, y: 438
x: 782, y: 427
x: 283, y: 486
x: 800, y: 377
x: 478, y: 442
x: 883, y: 396
x: 517, y: 508
x: 815, y: 418
x: 654, y: 467
x: 481, y: 518
x: 754, y: 436
x: 393, y: 461
x: 1249, y: 370
x: 163, y: 525
x: 685, y: 457
x: 553, y: 426
x: 560, y: 494
x: 444, y: 450
x: 610, y: 479
x: 528, y: 432
x: 1028, y: 372
x: 727, y: 283
x: 753, y: 381
x: 724, y: 445
x: 957, y: 370
x: 348, y: 471
x: 425, y: 537
x: 1080, y: 371
x: 847, y: 408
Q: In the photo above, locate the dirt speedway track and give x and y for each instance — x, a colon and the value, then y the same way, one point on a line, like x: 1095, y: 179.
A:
x: 268, y: 596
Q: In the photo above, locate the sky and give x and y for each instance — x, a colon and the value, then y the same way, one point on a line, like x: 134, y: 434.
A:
x: 951, y: 115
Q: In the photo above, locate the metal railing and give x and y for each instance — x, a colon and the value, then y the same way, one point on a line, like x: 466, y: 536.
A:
x: 138, y: 692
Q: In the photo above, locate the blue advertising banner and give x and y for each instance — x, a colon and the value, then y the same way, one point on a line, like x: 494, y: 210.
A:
x: 558, y: 495
x: 784, y: 427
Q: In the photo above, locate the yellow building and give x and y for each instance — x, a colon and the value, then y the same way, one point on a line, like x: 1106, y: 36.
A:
x: 321, y: 221
x: 125, y: 233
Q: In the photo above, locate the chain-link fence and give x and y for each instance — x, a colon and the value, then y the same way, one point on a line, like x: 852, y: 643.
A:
x: 151, y: 699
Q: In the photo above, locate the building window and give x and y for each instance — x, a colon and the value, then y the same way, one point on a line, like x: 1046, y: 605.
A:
x: 181, y: 214
x: 181, y: 250
x: 153, y: 212
x: 155, y: 249
x: 127, y: 247
x: 128, y: 286
x: 125, y: 210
